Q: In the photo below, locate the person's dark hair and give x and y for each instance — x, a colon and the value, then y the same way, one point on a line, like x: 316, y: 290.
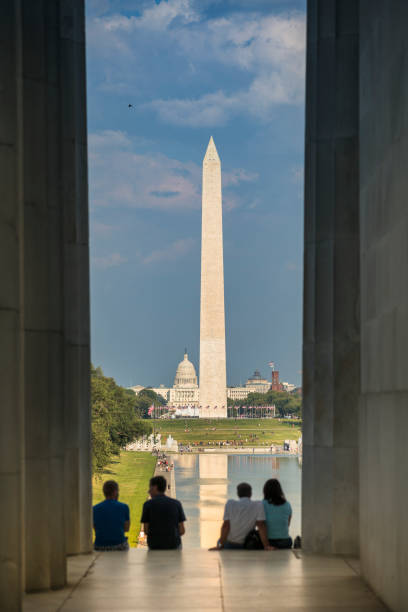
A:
x: 110, y: 487
x: 244, y: 490
x: 273, y: 492
x: 159, y: 482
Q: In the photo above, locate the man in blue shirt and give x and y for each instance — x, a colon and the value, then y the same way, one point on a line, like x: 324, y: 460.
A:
x: 110, y: 520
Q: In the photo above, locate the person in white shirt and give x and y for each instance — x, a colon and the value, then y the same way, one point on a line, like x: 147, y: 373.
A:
x: 240, y: 517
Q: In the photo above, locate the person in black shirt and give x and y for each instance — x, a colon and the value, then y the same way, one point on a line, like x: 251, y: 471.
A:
x: 163, y: 517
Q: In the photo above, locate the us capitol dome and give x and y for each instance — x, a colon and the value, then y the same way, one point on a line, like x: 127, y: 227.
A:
x: 185, y: 391
x: 186, y: 376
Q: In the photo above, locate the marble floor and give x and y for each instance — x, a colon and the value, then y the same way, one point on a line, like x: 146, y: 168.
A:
x: 200, y: 580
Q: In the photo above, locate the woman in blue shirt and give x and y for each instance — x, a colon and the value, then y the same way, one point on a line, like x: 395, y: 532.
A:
x: 278, y: 513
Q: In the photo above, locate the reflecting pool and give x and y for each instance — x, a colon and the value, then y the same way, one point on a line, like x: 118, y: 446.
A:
x: 205, y: 482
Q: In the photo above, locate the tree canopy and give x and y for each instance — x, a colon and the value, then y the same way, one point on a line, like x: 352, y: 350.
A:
x: 286, y: 403
x: 116, y: 418
x: 146, y: 398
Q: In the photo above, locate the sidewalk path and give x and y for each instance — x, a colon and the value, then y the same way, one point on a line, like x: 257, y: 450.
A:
x: 171, y: 492
x: 170, y: 479
x: 194, y: 579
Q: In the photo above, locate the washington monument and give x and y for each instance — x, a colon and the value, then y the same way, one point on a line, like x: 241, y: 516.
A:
x: 213, y: 378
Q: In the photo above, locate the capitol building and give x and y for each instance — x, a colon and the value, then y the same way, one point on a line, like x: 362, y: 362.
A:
x: 185, y: 390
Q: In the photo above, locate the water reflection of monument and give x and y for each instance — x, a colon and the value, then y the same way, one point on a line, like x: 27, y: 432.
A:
x: 204, y: 482
x: 213, y: 493
x: 187, y: 462
x: 275, y: 464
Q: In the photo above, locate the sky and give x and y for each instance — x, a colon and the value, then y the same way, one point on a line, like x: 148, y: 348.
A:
x: 233, y: 69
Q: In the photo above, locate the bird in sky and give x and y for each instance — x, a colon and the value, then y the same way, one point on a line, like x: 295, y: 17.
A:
x: 130, y: 105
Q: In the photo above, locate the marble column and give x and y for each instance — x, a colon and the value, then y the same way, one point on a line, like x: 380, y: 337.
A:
x: 384, y: 299
x: 44, y: 295
x: 331, y: 341
x: 45, y: 551
x: 11, y: 313
x: 74, y: 200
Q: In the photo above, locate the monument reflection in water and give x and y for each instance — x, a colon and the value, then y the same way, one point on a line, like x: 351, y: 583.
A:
x: 205, y: 482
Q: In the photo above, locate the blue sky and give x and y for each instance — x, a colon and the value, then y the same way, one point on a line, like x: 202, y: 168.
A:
x: 190, y: 69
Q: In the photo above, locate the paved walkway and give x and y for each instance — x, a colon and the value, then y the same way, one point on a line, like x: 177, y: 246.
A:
x: 169, y: 477
x: 200, y: 580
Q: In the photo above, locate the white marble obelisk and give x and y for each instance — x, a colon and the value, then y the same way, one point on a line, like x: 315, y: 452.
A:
x: 213, y: 379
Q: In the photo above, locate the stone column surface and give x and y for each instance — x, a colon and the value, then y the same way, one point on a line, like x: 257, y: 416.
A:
x: 384, y: 299
x: 74, y: 200
x: 45, y: 553
x: 44, y: 295
x: 11, y: 314
x: 213, y: 379
x: 331, y: 342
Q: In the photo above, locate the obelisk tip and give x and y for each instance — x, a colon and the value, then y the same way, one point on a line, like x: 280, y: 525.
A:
x: 211, y: 153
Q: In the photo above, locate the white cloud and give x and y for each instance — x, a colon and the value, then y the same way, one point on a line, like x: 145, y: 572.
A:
x: 95, y: 8
x: 253, y: 204
x: 107, y: 139
x: 102, y: 229
x: 292, y: 266
x: 121, y: 177
x: 154, y: 17
x: 117, y: 33
x: 230, y: 202
x: 270, y: 50
x: 172, y: 252
x: 108, y: 261
x: 208, y: 111
x: 297, y: 173
x: 267, y: 51
x: 238, y: 175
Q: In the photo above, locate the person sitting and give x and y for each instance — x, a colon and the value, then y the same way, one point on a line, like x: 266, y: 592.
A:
x: 162, y: 517
x: 278, y: 513
x: 240, y: 517
x: 110, y: 520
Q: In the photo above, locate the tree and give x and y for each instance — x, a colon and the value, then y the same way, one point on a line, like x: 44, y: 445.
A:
x: 145, y: 399
x: 286, y: 403
x: 115, y: 418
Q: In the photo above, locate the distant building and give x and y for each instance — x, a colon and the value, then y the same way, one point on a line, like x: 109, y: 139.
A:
x: 237, y: 393
x: 257, y: 384
x: 276, y: 385
x: 288, y: 387
x: 137, y: 389
x: 254, y: 384
x: 185, y: 390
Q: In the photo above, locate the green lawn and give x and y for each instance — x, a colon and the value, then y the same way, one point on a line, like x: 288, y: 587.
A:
x: 267, y: 431
x: 132, y: 470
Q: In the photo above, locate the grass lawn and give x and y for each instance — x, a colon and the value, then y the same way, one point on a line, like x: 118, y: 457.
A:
x: 267, y: 431
x: 132, y: 470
